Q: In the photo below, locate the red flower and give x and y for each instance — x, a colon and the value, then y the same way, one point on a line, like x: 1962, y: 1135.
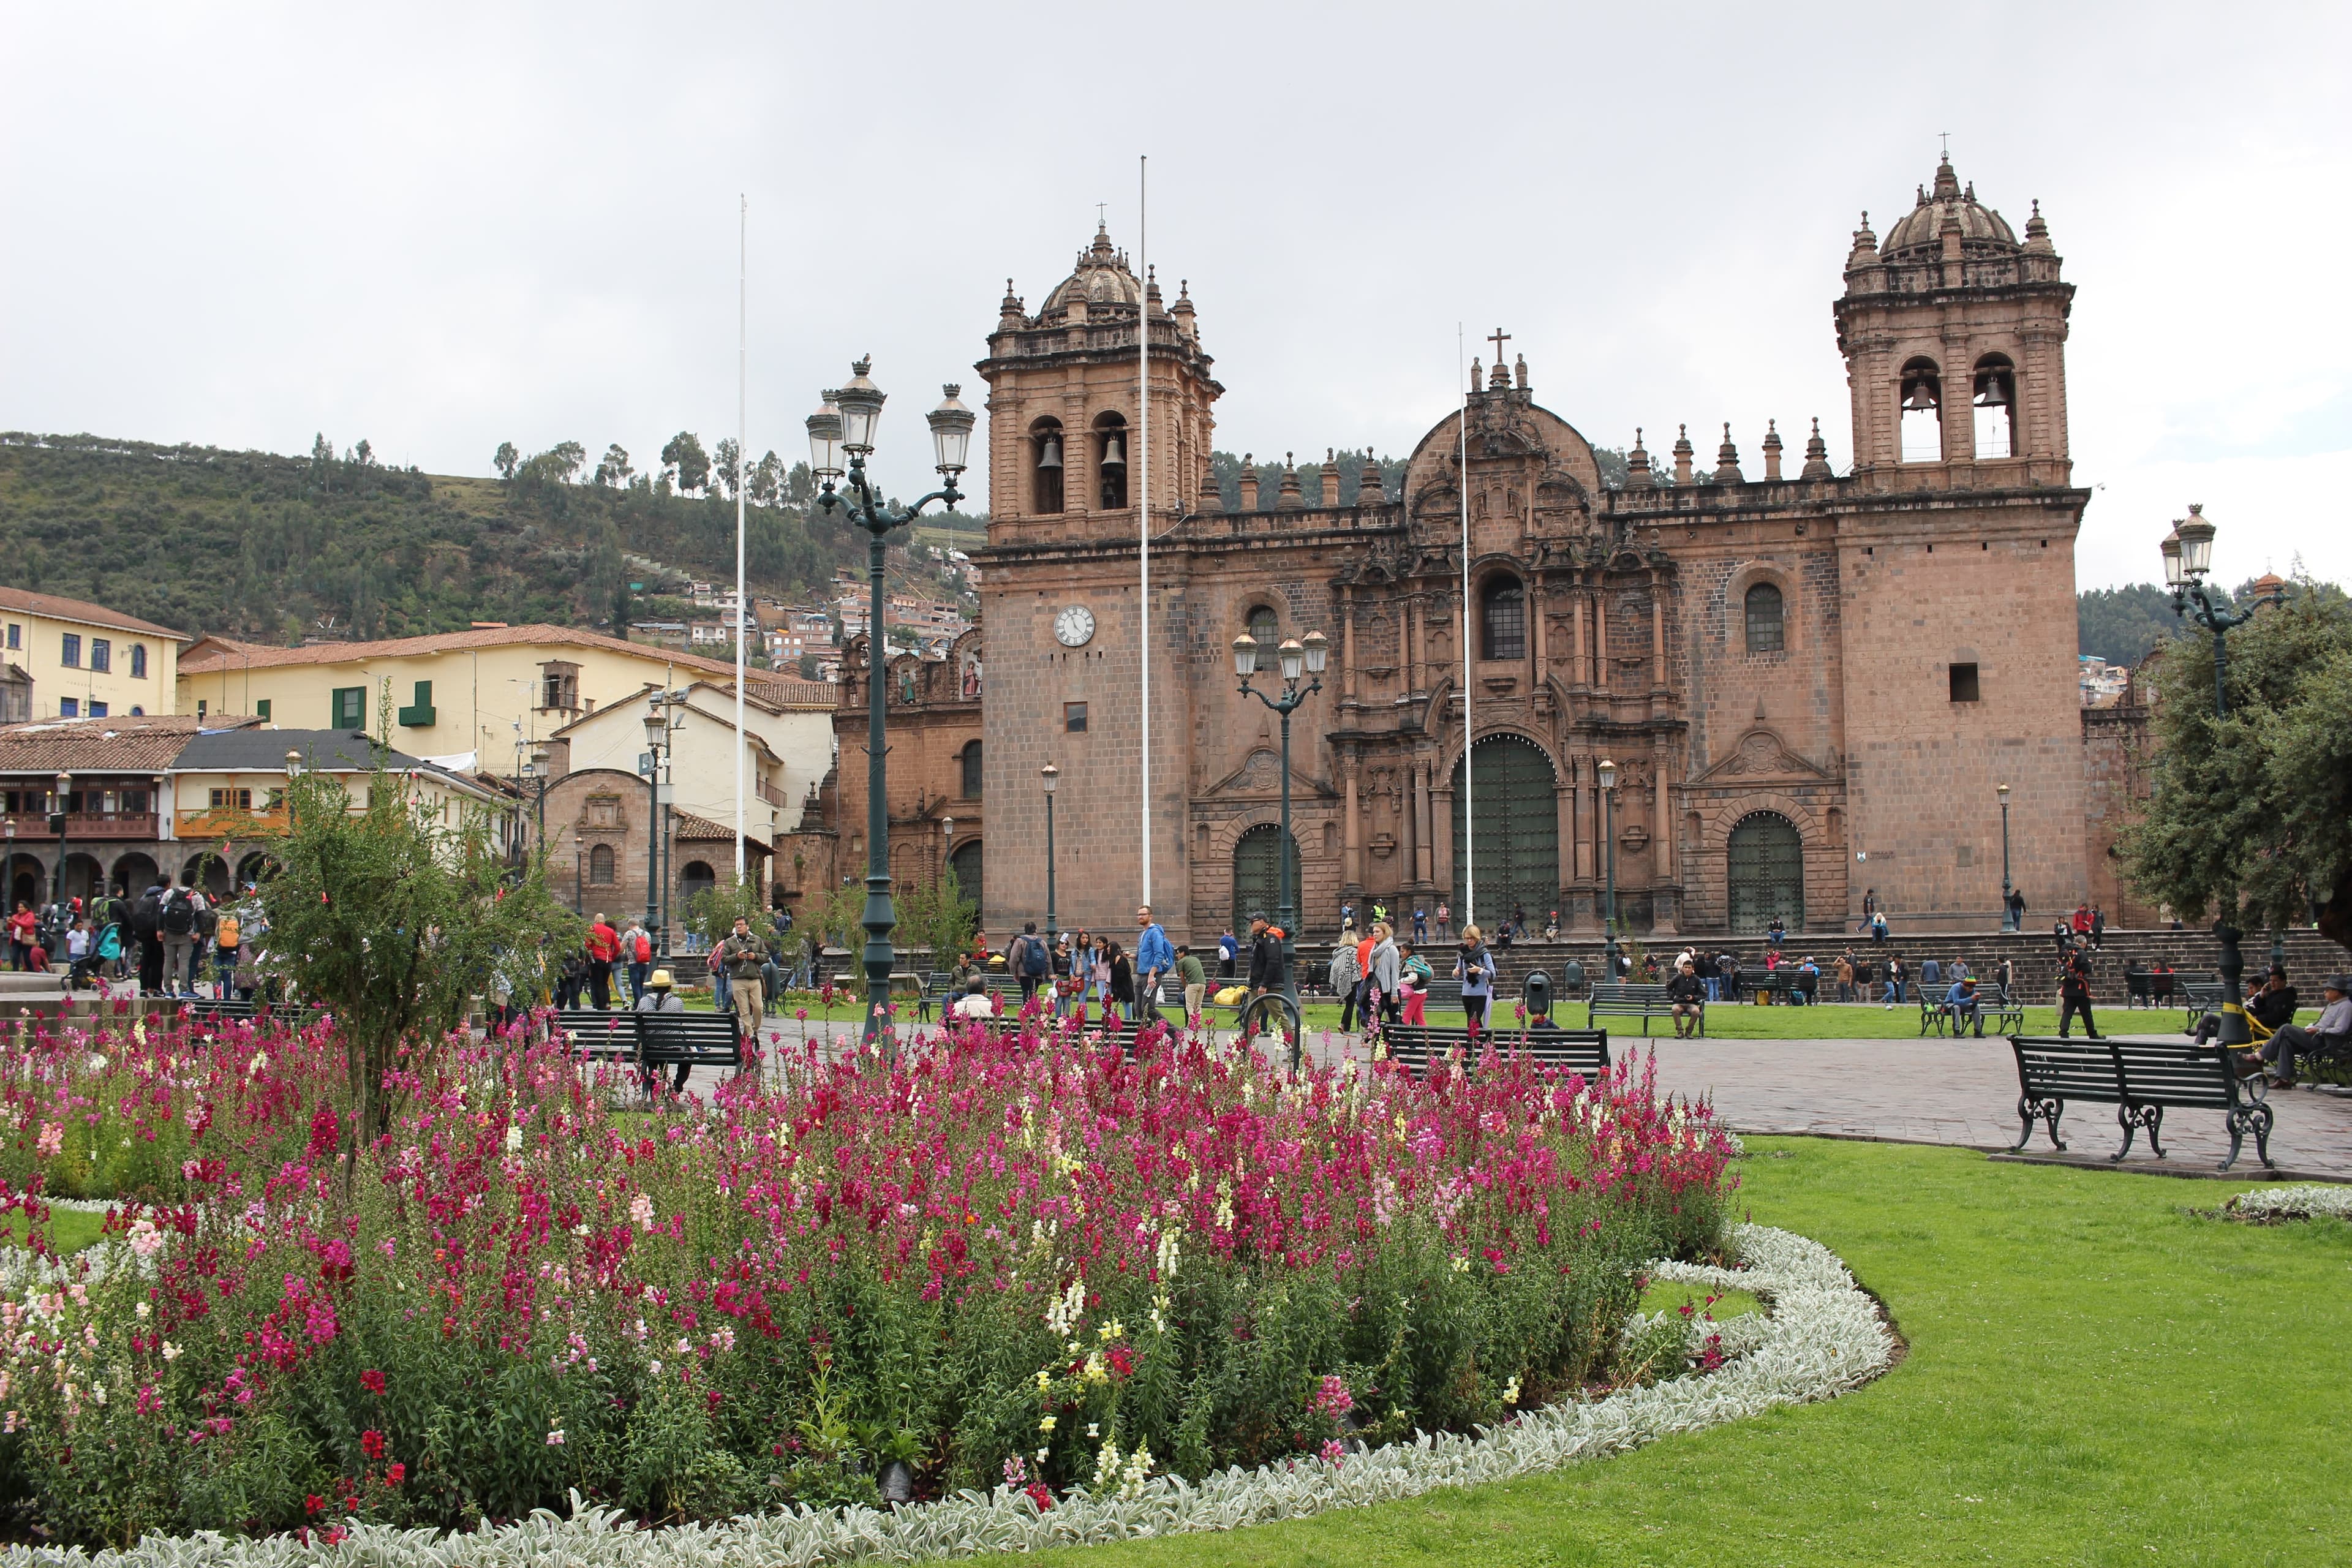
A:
x: 1122, y: 1362
x: 372, y: 1443
x: 397, y: 1474
x: 1039, y: 1495
x: 373, y: 1381
x: 313, y: 1503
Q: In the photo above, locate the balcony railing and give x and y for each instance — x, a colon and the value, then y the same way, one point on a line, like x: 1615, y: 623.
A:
x: 34, y: 827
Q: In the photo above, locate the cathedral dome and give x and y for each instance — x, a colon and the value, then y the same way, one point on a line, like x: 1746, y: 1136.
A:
x: 1103, y: 281
x: 1919, y: 232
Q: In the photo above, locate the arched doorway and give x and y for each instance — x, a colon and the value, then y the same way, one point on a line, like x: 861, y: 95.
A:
x: 206, y: 870
x: 1517, y: 843
x: 84, y: 878
x: 134, y: 874
x: 965, y: 863
x: 256, y: 868
x: 1257, y: 876
x: 1764, y: 875
x: 695, y: 877
x: 28, y: 881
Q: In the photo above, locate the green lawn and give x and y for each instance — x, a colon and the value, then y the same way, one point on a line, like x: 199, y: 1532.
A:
x: 70, y: 1230
x: 2095, y: 1376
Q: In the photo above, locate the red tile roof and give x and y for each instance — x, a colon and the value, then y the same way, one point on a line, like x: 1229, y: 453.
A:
x: 693, y: 829
x: 64, y: 610
x: 104, y: 745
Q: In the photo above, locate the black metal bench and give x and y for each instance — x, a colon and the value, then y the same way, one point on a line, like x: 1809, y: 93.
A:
x: 2142, y: 1080
x: 1789, y: 985
x: 1630, y: 1000
x: 206, y: 1014
x: 1583, y: 1051
x: 2197, y: 997
x: 653, y: 1039
x: 1994, y: 1006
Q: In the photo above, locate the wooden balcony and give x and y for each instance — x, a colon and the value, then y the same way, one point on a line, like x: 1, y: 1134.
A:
x: 230, y: 822
x: 86, y: 826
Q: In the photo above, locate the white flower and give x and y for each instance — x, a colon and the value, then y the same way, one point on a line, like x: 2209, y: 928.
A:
x: 514, y: 1138
x: 641, y: 1212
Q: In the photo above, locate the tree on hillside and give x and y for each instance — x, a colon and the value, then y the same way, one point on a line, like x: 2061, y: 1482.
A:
x: 767, y: 479
x: 613, y: 471
x: 727, y: 463
x: 506, y: 459
x: 2250, y: 817
x: 688, y: 464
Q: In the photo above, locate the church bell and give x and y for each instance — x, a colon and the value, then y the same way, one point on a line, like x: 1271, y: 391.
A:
x: 1049, y: 452
x: 1115, y: 451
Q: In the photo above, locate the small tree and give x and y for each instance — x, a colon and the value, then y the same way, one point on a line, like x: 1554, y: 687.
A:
x: 935, y: 916
x: 391, y: 912
x: 2250, y: 817
x: 712, y: 912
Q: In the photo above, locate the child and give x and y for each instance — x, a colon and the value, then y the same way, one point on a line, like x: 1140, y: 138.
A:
x: 1416, y: 975
x: 77, y: 956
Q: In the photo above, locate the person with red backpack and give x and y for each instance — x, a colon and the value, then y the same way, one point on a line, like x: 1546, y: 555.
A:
x: 604, y: 949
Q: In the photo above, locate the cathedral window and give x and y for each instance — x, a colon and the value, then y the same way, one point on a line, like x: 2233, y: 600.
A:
x: 601, y: 869
x: 1045, y: 466
x: 1923, y: 413
x: 1996, y: 408
x: 1266, y: 630
x: 972, y: 771
x: 1110, y: 459
x: 1964, y: 683
x: 1766, y: 633
x: 1503, y: 619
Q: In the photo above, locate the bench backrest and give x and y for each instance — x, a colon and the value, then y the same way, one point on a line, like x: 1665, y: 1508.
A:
x: 2176, y: 1073
x: 2066, y: 1069
x: 697, y: 1035
x: 1579, y: 1050
x: 1605, y: 992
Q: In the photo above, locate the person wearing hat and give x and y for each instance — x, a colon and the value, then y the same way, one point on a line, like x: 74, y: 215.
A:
x: 2332, y: 1032
x: 659, y: 998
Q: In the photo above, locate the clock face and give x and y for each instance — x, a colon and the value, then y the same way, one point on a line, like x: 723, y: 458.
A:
x: 1075, y: 627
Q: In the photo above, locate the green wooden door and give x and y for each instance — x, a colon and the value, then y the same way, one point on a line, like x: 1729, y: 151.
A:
x: 1258, y: 879
x: 1517, y: 863
x: 1765, y: 876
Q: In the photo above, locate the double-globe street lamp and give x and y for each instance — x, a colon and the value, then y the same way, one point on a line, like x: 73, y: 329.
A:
x: 1608, y: 770
x: 845, y: 428
x: 1293, y: 656
x: 2188, y: 553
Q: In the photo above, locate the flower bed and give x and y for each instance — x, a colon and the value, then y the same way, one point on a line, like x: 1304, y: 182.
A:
x: 2309, y: 1200
x: 1044, y: 1281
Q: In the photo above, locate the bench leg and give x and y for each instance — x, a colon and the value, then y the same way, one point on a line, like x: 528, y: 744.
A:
x: 2131, y: 1118
x: 2050, y: 1110
x: 2255, y: 1119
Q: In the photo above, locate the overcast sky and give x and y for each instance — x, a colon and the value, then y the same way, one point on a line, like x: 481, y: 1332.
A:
x: 440, y: 228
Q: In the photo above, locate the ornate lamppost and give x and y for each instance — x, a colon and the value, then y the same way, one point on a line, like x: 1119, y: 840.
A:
x: 2007, y: 911
x: 1049, y: 776
x: 2188, y: 553
x: 1608, y: 770
x: 1293, y: 657
x: 844, y: 426
x: 57, y: 885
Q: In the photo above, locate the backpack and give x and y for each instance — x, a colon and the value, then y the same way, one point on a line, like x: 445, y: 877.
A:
x: 225, y: 930
x: 645, y: 948
x: 1033, y: 955
x: 178, y: 915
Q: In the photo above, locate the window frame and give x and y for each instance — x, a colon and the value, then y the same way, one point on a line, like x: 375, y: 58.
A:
x: 139, y: 661
x: 337, y: 699
x: 1748, y: 618
x: 970, y: 757
x: 1498, y: 589
x: 101, y: 656
x: 1965, y: 681
x: 1073, y: 718
x: 69, y: 650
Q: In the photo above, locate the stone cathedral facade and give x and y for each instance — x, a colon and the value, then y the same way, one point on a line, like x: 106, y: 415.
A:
x: 1810, y: 682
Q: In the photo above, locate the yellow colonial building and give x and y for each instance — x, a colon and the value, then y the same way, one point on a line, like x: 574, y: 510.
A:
x: 65, y: 658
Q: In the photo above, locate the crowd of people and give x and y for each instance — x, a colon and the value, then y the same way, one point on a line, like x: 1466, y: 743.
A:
x: 174, y: 939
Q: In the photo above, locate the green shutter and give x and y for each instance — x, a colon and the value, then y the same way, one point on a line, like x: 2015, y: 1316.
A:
x: 261, y: 710
x: 419, y: 714
x: 350, y: 708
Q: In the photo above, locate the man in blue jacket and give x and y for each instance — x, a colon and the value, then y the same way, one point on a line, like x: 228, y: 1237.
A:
x: 1153, y: 959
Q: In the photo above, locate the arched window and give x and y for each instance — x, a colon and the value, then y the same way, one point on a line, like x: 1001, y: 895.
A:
x: 1110, y: 459
x: 1266, y: 630
x: 1923, y: 413
x: 600, y: 866
x: 1503, y: 619
x: 972, y: 771
x: 1766, y: 633
x: 1996, y: 408
x: 1045, y: 459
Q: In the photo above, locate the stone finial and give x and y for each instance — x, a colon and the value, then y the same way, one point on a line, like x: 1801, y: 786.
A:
x: 1372, y: 486
x: 1948, y: 184
x: 1865, y: 245
x: 1213, y: 494
x: 1249, y: 481
x: 1290, y: 498
x: 1637, y: 463
x: 1186, y: 326
x: 1771, y: 450
x: 1520, y: 371
x: 1330, y: 477
x: 1817, y: 454
x: 1682, y: 456
x: 1499, y: 379
x: 1151, y: 305
x: 2037, y: 233
x: 1727, y: 461
x: 1010, y: 314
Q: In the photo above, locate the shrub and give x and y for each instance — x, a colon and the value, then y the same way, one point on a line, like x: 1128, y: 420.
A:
x: 1020, y: 1257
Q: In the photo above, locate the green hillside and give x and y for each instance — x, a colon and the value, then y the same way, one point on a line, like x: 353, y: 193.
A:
x: 254, y: 545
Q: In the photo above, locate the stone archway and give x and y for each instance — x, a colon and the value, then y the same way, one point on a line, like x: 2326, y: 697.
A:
x: 965, y: 862
x: 1515, y: 804
x: 1764, y: 873
x: 1257, y: 876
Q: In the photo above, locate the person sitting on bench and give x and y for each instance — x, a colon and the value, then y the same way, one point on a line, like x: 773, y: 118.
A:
x: 2334, y: 1027
x: 657, y: 997
x: 1688, y: 995
x: 2271, y: 1006
x: 1963, y: 1004
x: 975, y: 1003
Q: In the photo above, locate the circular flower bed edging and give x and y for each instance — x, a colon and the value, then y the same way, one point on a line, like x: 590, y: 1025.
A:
x: 1822, y: 1337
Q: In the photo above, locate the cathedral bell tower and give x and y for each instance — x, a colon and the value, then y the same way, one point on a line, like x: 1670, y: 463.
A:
x: 1954, y: 335
x: 1063, y: 409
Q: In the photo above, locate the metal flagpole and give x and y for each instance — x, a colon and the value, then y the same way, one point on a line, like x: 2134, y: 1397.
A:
x: 1469, y: 820
x: 743, y: 428
x: 1143, y: 491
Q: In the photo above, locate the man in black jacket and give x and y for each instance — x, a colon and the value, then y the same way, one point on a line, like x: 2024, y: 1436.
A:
x: 146, y: 928
x: 2074, y: 993
x: 1265, y: 971
x: 1688, y: 995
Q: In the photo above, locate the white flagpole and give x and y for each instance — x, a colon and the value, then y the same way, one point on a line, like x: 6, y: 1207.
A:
x: 742, y: 605
x: 1143, y: 491
x: 1469, y: 820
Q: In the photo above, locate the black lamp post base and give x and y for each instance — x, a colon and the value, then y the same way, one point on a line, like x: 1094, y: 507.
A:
x: 2233, y: 1032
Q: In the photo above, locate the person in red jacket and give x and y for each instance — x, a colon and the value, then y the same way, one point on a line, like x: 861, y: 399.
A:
x: 604, y: 947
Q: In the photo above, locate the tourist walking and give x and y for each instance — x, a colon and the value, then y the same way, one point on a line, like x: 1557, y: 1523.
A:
x: 744, y: 957
x: 1444, y: 920
x: 1342, y: 974
x: 21, y: 926
x: 637, y: 952
x: 1414, y: 974
x: 2075, y: 994
x: 1420, y: 923
x: 1227, y: 951
x: 1474, y: 967
x: 1028, y: 961
x: 1194, y: 978
x: 2064, y: 936
x: 1153, y: 959
x: 2098, y: 927
x: 1381, y: 973
x: 604, y: 947
x: 1895, y: 979
x: 1266, y: 971
x: 176, y: 921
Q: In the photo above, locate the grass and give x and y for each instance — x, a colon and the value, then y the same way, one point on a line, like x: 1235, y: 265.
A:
x: 1669, y: 1297
x: 70, y: 1230
x: 2095, y: 1376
